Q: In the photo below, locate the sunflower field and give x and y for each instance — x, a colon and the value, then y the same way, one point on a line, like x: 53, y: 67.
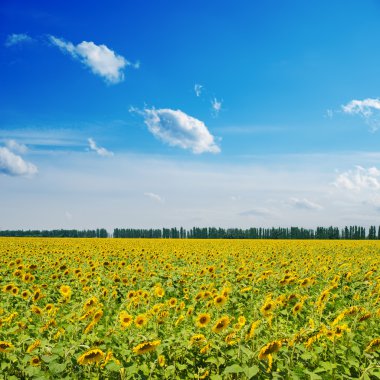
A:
x: 189, y: 309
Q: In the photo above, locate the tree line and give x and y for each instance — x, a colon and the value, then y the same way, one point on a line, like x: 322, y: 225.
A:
x: 98, y: 233
x: 351, y: 232
x: 346, y: 233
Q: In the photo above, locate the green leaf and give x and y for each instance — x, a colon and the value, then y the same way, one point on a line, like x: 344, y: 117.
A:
x: 252, y: 371
x: 247, y: 351
x: 113, y: 367
x: 145, y: 369
x: 216, y: 377
x: 57, y: 367
x: 181, y: 367
x: 212, y: 360
x: 234, y: 368
x: 307, y: 356
x: 4, y: 366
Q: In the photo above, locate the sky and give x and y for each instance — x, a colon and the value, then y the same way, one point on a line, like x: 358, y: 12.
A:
x: 150, y: 114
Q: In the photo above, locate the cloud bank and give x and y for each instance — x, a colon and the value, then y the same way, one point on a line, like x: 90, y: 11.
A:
x: 99, y: 58
x: 14, y: 165
x: 359, y: 179
x: 176, y: 128
x: 16, y: 147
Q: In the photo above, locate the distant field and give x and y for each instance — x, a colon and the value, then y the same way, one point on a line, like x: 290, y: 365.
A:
x: 189, y: 309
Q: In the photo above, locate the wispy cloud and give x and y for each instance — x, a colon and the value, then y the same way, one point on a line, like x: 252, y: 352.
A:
x: 14, y: 165
x: 99, y: 58
x: 257, y: 211
x: 216, y: 106
x: 304, y: 204
x: 368, y: 109
x: 99, y: 150
x: 198, y: 89
x: 359, y: 179
x: 154, y: 197
x: 16, y: 147
x: 16, y: 39
x: 176, y: 128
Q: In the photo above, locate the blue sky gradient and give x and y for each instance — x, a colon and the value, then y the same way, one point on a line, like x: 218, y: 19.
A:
x: 294, y: 140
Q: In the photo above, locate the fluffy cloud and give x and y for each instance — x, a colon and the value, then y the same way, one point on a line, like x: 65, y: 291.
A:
x: 198, y: 89
x: 99, y: 150
x: 176, y: 128
x: 15, y: 39
x: 16, y: 147
x: 216, y: 106
x: 359, y: 179
x: 304, y: 204
x: 99, y: 58
x: 14, y: 165
x: 368, y: 109
x: 154, y: 197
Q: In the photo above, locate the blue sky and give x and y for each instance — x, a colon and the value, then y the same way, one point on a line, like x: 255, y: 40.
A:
x: 217, y: 113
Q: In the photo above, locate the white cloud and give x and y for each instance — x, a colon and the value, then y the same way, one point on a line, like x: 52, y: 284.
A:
x: 14, y: 165
x: 304, y: 204
x: 359, y: 179
x: 155, y: 197
x: 99, y: 150
x: 16, y: 147
x: 198, y: 89
x: 15, y: 39
x: 257, y: 211
x: 176, y: 128
x: 368, y: 109
x: 99, y: 58
x: 216, y: 106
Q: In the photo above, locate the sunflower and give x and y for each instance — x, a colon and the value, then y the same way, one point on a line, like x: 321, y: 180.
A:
x: 242, y: 320
x: 161, y: 360
x: 37, y: 295
x: 91, y: 356
x: 159, y: 292
x: 35, y: 361
x: 33, y: 346
x: 221, y: 324
x: 197, y: 339
x: 36, y: 310
x: 269, y: 349
x: 91, y: 302
x: 219, y: 301
x: 268, y: 307
x: 125, y: 319
x: 98, y: 314
x: 141, y: 320
x: 372, y: 346
x: 252, y: 330
x: 65, y: 290
x: 8, y: 288
x: 4, y: 346
x: 145, y: 347
x: 297, y: 308
x: 172, y: 302
x: 25, y: 294
x: 203, y: 320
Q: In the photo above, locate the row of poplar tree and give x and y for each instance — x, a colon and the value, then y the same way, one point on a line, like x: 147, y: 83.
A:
x: 352, y: 232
